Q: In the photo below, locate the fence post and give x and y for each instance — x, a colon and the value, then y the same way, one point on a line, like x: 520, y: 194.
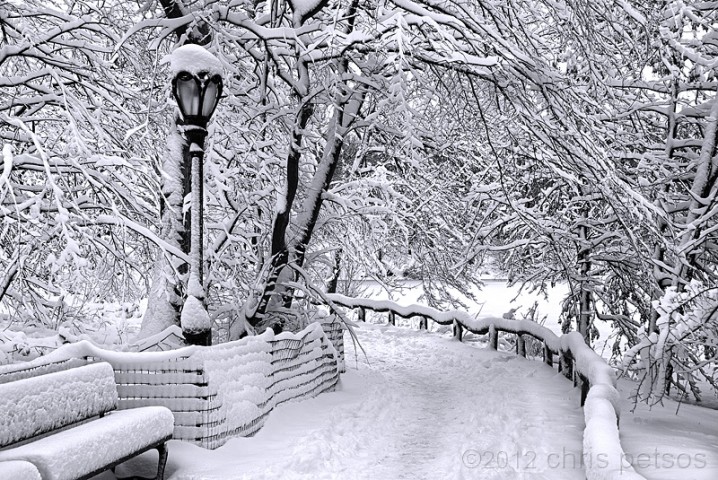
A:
x: 493, y: 337
x: 520, y: 345
x: 458, y: 330
x: 362, y: 314
x: 585, y: 386
x: 392, y: 318
x: 566, y: 365
x: 422, y: 323
x: 547, y: 355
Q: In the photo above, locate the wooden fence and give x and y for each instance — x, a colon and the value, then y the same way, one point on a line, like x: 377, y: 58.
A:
x: 215, y: 392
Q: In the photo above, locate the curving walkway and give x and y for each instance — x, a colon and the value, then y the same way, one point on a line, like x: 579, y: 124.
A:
x: 424, y: 407
x: 460, y: 412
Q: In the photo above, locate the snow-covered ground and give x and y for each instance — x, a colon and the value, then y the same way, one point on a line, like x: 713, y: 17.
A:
x: 671, y: 441
x: 419, y: 406
x: 423, y: 406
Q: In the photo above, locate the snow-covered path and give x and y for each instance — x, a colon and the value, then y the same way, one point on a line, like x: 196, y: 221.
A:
x: 453, y: 411
x: 424, y: 407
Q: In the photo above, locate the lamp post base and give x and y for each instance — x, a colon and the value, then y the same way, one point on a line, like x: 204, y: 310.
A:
x: 200, y: 338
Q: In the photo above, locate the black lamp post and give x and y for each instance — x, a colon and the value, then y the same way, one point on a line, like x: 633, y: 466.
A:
x: 197, y: 96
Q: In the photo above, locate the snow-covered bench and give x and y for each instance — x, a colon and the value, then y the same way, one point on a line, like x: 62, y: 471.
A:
x: 66, y: 424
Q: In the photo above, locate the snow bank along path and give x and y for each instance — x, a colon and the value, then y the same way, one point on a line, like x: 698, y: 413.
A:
x: 422, y: 407
x: 601, y: 441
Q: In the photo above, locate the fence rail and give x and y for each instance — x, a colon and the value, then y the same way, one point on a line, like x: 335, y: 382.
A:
x: 576, y: 361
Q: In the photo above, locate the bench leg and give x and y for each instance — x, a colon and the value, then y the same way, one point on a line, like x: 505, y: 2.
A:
x: 162, y: 450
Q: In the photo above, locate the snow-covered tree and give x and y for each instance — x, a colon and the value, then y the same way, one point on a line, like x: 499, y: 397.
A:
x: 78, y: 191
x: 566, y: 142
x: 673, y: 101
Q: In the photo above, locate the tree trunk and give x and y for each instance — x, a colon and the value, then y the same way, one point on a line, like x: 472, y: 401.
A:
x: 659, y: 253
x: 280, y: 250
x: 165, y: 297
x: 585, y: 303
x: 334, y: 279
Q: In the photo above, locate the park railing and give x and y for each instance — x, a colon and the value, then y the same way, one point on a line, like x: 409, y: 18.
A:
x: 216, y: 392
x: 605, y: 458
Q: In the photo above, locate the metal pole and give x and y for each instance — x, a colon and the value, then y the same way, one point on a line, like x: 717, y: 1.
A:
x: 196, y: 211
x: 185, y: 236
x: 195, y: 286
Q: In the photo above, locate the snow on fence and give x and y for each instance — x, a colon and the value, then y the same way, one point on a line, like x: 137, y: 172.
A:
x: 577, y: 361
x: 215, y: 392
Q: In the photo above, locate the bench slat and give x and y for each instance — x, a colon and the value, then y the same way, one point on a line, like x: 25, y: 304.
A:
x: 93, y: 446
x: 32, y: 406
